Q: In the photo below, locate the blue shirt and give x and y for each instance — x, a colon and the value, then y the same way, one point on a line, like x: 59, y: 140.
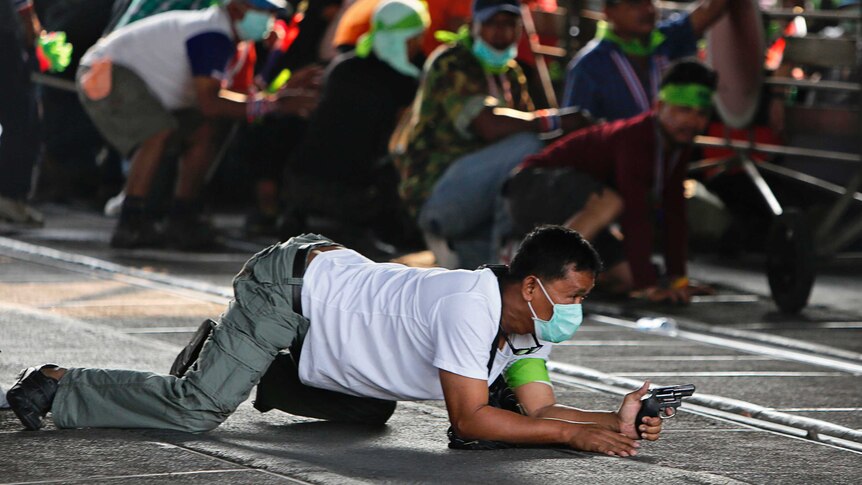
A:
x: 602, y: 80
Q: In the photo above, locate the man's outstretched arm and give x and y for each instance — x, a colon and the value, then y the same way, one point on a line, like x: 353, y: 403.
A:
x: 472, y: 417
x: 537, y: 399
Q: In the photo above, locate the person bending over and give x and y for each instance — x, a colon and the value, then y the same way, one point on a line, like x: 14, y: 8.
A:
x: 630, y: 170
x: 159, y: 80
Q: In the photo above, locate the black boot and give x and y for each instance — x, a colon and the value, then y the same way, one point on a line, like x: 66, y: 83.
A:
x: 188, y: 229
x: 32, y: 396
x: 136, y: 227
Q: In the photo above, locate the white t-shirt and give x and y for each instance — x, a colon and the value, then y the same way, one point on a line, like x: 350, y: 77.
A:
x: 168, y: 49
x: 385, y: 330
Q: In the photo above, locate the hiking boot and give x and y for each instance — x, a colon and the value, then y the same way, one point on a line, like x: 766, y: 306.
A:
x: 32, y: 396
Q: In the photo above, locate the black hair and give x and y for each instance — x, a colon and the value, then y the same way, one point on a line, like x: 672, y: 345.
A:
x: 549, y: 252
x: 690, y: 71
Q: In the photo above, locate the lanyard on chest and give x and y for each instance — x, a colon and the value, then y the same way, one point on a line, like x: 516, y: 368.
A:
x: 633, y: 83
x: 494, y: 347
x: 505, y: 86
x: 499, y: 270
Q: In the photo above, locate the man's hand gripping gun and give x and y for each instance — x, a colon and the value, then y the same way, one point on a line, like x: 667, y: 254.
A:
x: 660, y: 399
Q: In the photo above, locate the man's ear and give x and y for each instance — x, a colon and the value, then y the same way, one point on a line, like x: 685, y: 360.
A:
x: 528, y: 286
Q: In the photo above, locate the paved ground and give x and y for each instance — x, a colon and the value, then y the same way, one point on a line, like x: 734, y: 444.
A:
x: 803, y: 371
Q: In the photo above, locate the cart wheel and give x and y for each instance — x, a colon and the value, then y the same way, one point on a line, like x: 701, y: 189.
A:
x: 790, y: 261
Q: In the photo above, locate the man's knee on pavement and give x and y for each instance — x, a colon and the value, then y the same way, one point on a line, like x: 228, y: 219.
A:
x: 195, y: 411
x: 199, y: 421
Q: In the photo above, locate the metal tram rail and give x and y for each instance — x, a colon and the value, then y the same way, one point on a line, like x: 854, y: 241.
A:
x: 713, y: 406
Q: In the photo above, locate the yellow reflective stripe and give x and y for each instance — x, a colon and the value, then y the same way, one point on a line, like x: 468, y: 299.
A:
x: 524, y: 371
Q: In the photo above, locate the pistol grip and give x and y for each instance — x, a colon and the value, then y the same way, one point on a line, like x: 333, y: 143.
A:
x: 649, y: 407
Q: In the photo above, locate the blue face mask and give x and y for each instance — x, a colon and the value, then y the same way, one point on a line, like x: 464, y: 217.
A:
x: 492, y: 59
x: 563, y: 323
x: 254, y: 25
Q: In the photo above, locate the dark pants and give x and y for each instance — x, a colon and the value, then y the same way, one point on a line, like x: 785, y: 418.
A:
x: 280, y: 388
x: 19, y: 142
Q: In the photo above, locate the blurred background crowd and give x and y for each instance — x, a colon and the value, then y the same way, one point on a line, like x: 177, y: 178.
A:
x: 452, y: 125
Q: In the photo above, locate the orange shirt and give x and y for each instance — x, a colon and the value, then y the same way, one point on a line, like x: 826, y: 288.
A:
x: 445, y: 15
x: 354, y: 22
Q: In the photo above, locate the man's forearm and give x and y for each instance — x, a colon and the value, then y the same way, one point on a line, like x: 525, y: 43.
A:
x: 490, y: 423
x: 228, y: 104
x: 493, y: 124
x: 608, y: 419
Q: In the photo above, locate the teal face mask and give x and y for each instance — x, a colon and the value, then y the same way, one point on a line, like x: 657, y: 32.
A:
x: 563, y: 324
x: 492, y: 59
x: 254, y: 25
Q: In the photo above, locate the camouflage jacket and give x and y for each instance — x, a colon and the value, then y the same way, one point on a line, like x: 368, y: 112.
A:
x: 453, y: 91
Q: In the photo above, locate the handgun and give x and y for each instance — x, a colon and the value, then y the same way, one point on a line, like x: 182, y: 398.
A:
x: 661, y: 398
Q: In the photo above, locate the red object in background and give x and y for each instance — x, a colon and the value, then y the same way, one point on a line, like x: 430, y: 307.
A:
x: 44, y: 63
x: 525, y: 53
x: 288, y: 32
x: 241, y: 68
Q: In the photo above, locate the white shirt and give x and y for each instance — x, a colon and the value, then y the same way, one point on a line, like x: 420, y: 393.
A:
x: 168, y: 49
x: 385, y: 330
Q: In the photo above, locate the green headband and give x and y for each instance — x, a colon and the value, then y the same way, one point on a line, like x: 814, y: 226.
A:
x: 411, y: 23
x: 631, y: 47
x: 446, y: 37
x: 689, y: 95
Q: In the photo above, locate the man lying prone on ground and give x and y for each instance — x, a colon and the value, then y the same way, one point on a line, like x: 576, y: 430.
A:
x: 370, y: 334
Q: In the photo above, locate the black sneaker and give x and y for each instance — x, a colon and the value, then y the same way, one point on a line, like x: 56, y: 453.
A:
x: 191, y: 234
x: 32, y: 396
x: 137, y: 233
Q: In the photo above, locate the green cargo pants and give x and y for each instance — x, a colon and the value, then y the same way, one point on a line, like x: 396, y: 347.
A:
x: 258, y: 323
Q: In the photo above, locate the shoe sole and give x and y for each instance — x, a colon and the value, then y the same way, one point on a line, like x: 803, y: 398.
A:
x: 17, y: 402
